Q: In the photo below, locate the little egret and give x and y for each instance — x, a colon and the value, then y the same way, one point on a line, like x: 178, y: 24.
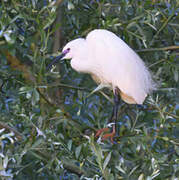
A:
x: 111, y: 63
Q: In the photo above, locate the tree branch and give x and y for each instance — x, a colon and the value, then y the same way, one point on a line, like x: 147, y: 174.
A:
x: 46, y: 99
x: 159, y: 49
x: 69, y: 86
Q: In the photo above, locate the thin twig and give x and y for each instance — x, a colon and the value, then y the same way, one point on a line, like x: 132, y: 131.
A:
x: 173, y: 115
x: 137, y: 36
x: 81, y: 89
x: 159, y: 49
x: 69, y: 86
x: 162, y: 60
x: 74, y: 168
x: 43, y: 96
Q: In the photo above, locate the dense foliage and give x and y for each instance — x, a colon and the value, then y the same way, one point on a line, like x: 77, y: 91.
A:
x: 47, y: 124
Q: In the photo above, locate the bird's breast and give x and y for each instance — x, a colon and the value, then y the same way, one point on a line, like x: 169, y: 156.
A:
x: 96, y: 78
x: 99, y: 79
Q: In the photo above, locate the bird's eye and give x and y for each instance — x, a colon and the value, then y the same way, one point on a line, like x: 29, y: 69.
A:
x: 68, y: 49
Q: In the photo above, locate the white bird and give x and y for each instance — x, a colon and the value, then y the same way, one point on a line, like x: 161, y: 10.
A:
x: 112, y: 63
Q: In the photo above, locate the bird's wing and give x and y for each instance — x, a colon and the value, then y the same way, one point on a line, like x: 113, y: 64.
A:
x: 115, y: 62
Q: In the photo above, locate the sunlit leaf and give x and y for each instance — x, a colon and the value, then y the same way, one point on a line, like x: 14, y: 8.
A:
x: 106, y: 161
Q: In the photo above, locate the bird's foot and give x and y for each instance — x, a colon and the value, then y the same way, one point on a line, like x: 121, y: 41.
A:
x: 100, y: 131
x: 108, y: 135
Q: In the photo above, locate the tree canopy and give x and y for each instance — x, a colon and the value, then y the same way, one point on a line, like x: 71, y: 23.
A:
x: 47, y: 123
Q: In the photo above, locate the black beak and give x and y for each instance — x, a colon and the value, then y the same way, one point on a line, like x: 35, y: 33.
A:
x: 57, y: 59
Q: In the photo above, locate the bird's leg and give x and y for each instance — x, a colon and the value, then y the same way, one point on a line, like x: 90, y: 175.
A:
x: 114, y: 117
x: 110, y: 120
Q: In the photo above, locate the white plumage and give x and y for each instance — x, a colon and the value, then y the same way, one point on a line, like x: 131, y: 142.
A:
x: 111, y: 62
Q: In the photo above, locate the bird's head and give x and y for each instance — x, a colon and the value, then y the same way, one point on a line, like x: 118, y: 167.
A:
x: 72, y: 48
x: 75, y: 50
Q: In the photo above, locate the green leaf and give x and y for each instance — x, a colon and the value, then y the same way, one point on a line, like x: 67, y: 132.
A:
x: 176, y: 75
x: 78, y: 151
x: 35, y: 97
x: 69, y: 145
x: 106, y: 161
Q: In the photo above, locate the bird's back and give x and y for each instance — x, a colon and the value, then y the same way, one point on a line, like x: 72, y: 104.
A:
x: 115, y: 63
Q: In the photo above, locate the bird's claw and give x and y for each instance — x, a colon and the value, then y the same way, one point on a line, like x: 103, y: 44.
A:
x: 108, y: 135
x: 100, y: 131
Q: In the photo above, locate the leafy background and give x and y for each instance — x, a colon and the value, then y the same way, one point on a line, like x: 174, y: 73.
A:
x: 47, y: 123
